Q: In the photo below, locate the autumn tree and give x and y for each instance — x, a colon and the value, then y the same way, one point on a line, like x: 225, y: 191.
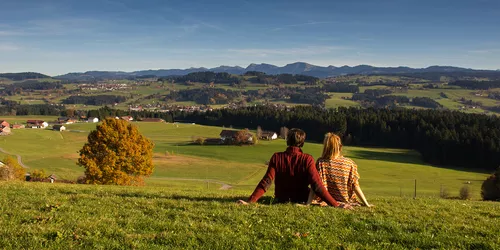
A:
x: 11, y: 170
x: 259, y: 132
x: 283, y: 132
x: 116, y: 153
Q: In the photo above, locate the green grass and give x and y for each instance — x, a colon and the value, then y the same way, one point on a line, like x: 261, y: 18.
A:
x: 59, y: 216
x: 179, y: 209
x: 384, y: 172
x: 336, y: 100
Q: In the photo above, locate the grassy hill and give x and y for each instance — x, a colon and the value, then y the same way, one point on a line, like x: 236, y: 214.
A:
x: 384, y: 172
x: 183, y: 205
x: 62, y: 216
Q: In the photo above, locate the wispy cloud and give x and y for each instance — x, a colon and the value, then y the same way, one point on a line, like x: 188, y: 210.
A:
x: 8, y: 47
x: 309, y: 50
x: 483, y: 51
x: 311, y: 23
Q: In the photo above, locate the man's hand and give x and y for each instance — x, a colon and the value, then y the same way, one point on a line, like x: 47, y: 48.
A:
x: 242, y: 202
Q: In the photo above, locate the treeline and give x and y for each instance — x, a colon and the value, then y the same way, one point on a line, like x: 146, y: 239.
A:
x: 23, y: 76
x: 96, y: 100
x: 205, y: 96
x: 313, y: 96
x: 19, y: 87
x: 442, y: 137
x: 14, y: 108
x: 204, y: 77
x: 494, y: 95
x: 310, y: 95
x: 341, y: 88
x: 425, y: 102
x: 476, y: 84
x: 379, y: 98
x: 283, y: 79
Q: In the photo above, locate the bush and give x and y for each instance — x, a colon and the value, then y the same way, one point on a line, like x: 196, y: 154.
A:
x: 38, y: 174
x: 445, y: 194
x: 81, y: 180
x: 12, y: 170
x: 490, y: 190
x: 6, y: 173
x: 200, y: 141
x: 465, y: 193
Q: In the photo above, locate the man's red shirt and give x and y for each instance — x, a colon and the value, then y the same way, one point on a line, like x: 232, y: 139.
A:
x: 292, y: 172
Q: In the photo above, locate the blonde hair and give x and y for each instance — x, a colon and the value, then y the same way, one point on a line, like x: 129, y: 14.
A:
x: 332, y: 147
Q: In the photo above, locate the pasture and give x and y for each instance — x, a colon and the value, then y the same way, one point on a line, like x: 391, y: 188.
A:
x: 183, y: 206
x: 384, y: 172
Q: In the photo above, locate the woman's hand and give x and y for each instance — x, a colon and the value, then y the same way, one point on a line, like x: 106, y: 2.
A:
x: 242, y: 202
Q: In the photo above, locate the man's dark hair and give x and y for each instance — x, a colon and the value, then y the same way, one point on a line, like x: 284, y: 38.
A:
x: 295, y: 137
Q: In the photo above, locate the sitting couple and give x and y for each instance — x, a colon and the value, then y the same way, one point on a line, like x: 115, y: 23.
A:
x: 334, y: 179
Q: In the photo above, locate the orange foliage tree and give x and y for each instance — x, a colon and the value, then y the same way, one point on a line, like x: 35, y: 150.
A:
x: 12, y: 169
x: 116, y: 153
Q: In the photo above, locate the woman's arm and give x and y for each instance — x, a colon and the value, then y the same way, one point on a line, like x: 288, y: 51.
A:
x: 359, y: 193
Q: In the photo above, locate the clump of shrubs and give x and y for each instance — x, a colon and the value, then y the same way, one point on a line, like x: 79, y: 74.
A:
x: 11, y: 170
x: 490, y: 190
x: 445, y: 194
x: 465, y: 193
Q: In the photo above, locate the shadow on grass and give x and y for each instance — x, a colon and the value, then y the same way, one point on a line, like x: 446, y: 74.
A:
x: 410, y: 157
x: 193, y: 198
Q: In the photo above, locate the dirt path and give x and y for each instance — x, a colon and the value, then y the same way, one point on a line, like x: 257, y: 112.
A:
x: 224, y: 186
x: 19, y: 160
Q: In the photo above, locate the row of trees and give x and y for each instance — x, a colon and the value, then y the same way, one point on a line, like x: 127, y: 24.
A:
x: 341, y: 88
x: 442, y: 137
x: 467, y: 84
x: 205, y: 96
x: 97, y: 100
x: 204, y: 77
x: 29, y: 85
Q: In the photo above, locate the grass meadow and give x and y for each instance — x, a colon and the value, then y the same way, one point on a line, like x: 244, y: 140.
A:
x: 183, y: 205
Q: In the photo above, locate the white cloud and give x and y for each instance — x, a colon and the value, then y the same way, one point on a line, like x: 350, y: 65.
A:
x: 309, y: 50
x: 8, y: 47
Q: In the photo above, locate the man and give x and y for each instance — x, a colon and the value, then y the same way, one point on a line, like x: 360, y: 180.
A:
x: 292, y: 172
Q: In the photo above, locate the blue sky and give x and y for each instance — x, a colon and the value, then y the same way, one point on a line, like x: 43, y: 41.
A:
x: 56, y: 37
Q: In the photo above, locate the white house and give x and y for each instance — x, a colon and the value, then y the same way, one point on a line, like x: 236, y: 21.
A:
x: 93, y: 119
x: 36, y: 124
x: 59, y: 127
x: 269, y: 135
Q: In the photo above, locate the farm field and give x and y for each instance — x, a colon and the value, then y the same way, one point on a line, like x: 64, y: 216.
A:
x: 151, y: 93
x: 384, y: 172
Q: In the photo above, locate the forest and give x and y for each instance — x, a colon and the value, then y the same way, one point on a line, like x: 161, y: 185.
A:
x: 448, y: 138
x: 95, y: 100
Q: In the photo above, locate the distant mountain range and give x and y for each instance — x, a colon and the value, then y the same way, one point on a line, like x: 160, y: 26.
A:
x: 293, y: 68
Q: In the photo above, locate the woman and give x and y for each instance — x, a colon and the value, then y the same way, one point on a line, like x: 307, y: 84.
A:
x: 339, y: 174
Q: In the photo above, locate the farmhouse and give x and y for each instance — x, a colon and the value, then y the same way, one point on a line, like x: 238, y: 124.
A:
x: 4, y: 128
x: 66, y: 120
x: 58, y: 127
x: 127, y: 118
x: 17, y: 126
x: 269, y: 135
x: 36, y: 124
x: 227, y: 136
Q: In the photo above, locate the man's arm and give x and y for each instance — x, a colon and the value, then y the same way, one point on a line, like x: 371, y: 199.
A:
x: 265, y: 183
x: 317, y: 184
